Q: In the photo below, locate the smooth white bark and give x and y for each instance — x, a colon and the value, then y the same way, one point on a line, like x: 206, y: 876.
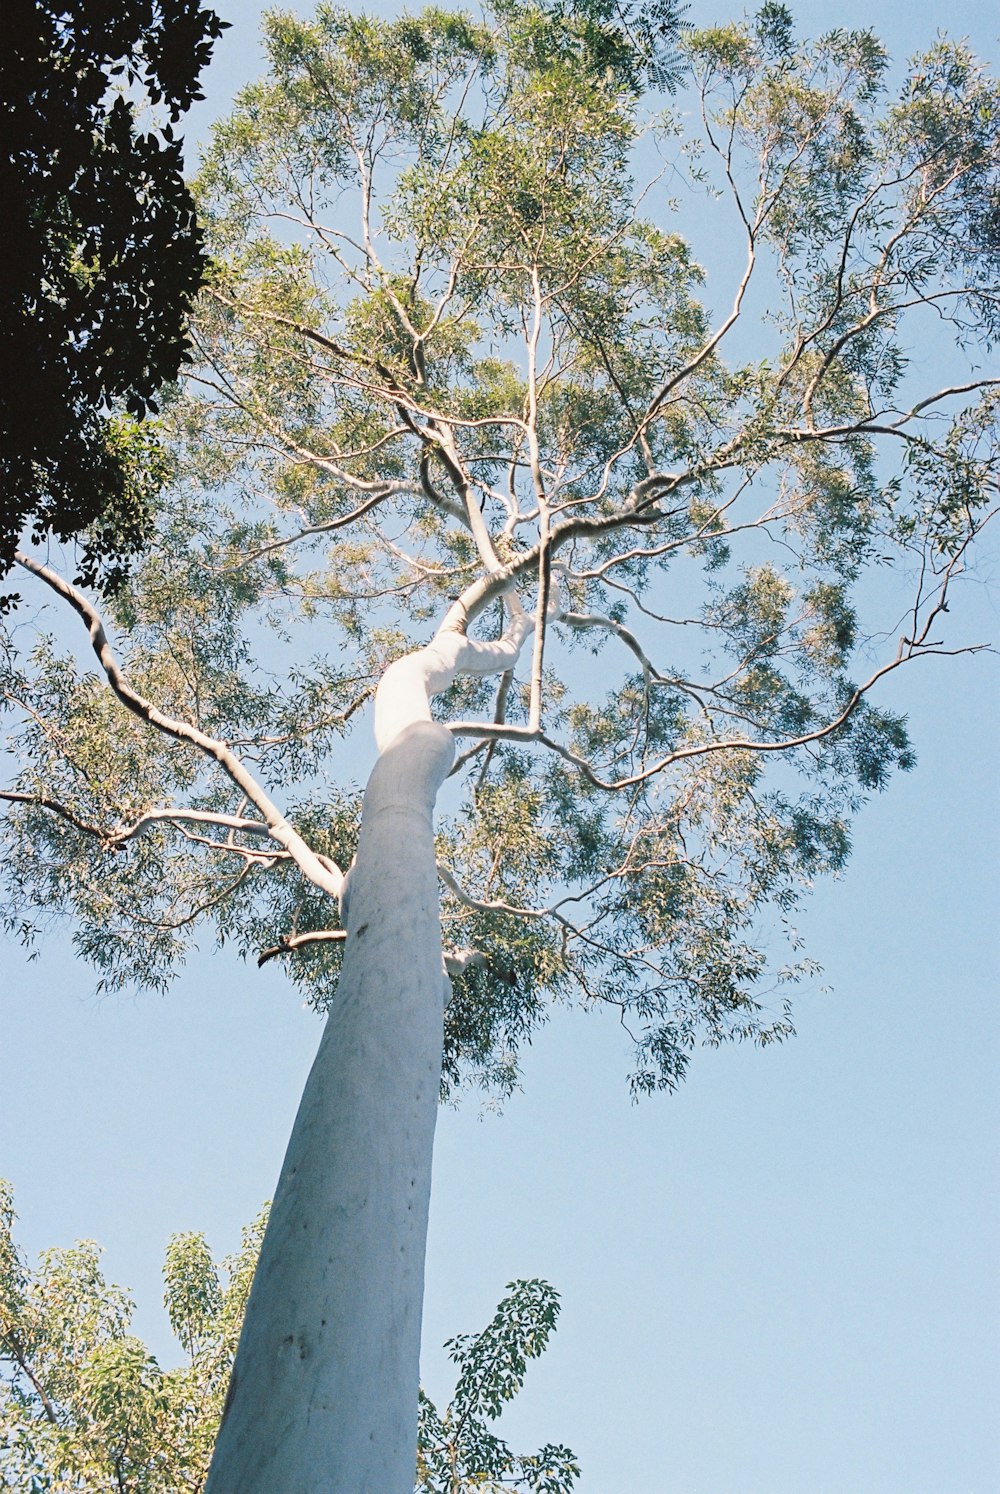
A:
x: 323, y: 1396
x: 406, y: 689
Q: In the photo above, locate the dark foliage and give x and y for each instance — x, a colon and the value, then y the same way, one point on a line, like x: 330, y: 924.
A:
x: 100, y: 256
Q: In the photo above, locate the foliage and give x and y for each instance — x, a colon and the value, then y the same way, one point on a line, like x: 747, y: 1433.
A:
x: 458, y: 1450
x: 83, y: 1403
x: 85, y: 1406
x: 101, y: 258
x: 456, y: 366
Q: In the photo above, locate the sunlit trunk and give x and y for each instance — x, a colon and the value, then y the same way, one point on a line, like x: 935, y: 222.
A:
x: 324, y: 1390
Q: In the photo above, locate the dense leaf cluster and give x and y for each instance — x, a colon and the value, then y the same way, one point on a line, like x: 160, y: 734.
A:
x: 84, y: 1405
x: 100, y: 258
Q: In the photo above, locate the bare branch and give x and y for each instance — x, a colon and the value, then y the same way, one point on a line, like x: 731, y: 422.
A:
x: 289, y: 943
x: 122, y: 836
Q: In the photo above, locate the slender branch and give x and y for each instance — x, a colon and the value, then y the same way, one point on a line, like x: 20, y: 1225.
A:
x: 289, y: 943
x: 587, y: 620
x: 19, y: 1357
x: 909, y: 649
x: 321, y: 871
x: 199, y: 908
x: 932, y: 399
x: 43, y: 801
x: 126, y: 833
x: 327, y: 527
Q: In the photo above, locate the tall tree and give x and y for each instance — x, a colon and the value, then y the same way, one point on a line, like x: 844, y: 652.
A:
x: 100, y: 258
x: 459, y: 406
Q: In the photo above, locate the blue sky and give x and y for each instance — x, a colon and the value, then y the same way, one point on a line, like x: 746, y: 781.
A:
x: 780, y: 1281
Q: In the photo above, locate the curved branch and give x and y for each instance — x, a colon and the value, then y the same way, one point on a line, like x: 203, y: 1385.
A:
x: 117, y: 839
x: 405, y: 691
x: 319, y: 870
x: 586, y: 620
x: 487, y: 905
x: 43, y: 801
x: 327, y: 527
x: 289, y: 943
x: 126, y: 833
x: 912, y: 650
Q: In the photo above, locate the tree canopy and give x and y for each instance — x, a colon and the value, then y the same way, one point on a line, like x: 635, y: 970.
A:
x: 101, y: 258
x: 457, y: 376
x: 85, y: 1405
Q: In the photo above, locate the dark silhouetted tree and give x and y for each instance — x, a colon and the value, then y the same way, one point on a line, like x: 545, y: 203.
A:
x: 100, y: 258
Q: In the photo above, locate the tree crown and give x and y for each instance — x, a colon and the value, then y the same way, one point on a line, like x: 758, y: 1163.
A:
x: 457, y: 371
x: 101, y: 259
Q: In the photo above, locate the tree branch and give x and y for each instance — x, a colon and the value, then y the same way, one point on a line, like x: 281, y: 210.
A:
x: 289, y: 943
x: 909, y: 649
x: 322, y: 872
x: 43, y: 801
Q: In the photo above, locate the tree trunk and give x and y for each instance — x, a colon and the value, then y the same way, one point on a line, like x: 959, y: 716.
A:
x: 324, y: 1390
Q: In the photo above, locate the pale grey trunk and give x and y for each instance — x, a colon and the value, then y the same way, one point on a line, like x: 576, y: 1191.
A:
x: 324, y: 1390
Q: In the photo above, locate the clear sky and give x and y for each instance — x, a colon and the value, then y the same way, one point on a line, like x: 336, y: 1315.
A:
x: 780, y: 1281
